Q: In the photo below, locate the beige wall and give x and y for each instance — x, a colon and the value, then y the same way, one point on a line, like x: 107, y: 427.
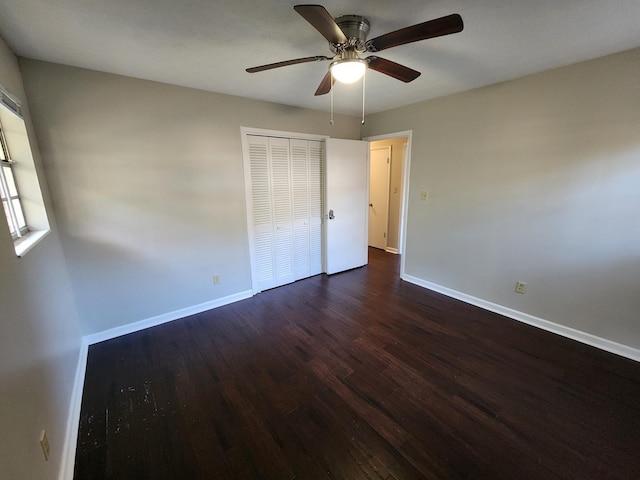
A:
x: 147, y: 180
x: 536, y: 179
x: 39, y: 335
x: 395, y: 187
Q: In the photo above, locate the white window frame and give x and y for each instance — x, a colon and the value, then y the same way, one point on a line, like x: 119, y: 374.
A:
x: 8, y: 201
x: 18, y: 157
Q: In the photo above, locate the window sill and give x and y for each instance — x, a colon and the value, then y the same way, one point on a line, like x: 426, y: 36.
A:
x: 30, y: 240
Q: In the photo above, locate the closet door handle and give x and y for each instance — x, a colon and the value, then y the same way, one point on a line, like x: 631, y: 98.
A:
x: 331, y: 216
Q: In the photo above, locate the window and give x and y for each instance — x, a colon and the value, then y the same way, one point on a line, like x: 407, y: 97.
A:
x: 11, y: 203
x: 20, y: 193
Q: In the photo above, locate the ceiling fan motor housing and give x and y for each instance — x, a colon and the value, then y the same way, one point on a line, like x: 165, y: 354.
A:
x: 356, y: 28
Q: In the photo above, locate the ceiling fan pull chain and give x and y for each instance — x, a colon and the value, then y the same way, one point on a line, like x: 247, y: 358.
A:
x: 364, y: 77
x: 331, y: 121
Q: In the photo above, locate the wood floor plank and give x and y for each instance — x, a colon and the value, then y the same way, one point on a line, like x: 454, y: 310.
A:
x: 356, y: 376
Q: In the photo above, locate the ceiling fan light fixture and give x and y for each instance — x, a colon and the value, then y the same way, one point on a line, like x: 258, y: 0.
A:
x: 348, y: 70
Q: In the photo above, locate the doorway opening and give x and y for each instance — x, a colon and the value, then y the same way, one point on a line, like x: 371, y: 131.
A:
x: 388, y: 174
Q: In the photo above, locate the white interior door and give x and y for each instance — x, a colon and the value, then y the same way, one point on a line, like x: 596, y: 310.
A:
x: 346, y: 206
x: 379, y: 164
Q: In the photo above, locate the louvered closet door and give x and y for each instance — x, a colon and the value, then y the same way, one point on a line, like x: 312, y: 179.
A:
x: 271, y: 211
x: 316, y: 162
x: 262, y: 209
x: 282, y: 209
x: 300, y: 204
x: 286, y: 188
x: 306, y: 173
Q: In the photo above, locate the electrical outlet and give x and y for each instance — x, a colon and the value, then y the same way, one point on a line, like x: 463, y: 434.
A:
x: 216, y: 279
x: 44, y: 443
x: 521, y: 287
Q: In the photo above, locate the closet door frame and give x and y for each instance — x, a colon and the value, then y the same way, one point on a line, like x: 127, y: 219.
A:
x: 245, y: 132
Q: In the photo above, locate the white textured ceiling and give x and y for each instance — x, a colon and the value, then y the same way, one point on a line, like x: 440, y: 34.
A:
x: 207, y: 44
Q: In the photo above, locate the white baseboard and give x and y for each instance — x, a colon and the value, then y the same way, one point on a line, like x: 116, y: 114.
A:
x: 391, y: 250
x: 580, y: 336
x: 73, y: 417
x: 164, y: 318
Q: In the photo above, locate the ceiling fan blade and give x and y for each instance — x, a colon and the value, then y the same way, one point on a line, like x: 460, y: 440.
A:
x: 325, y: 85
x: 433, y: 28
x: 269, y: 66
x: 322, y: 21
x: 392, y: 69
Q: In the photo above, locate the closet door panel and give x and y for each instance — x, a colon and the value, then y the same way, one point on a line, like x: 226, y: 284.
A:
x: 262, y: 212
x: 282, y: 209
x: 265, y: 258
x: 316, y: 202
x: 300, y: 204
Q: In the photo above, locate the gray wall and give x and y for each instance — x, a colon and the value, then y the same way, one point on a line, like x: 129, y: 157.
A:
x: 536, y: 179
x: 39, y: 335
x: 147, y: 182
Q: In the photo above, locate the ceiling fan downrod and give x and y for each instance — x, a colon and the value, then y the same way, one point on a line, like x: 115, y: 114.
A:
x: 355, y: 28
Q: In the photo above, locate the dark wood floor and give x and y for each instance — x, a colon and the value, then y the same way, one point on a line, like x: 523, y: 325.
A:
x: 356, y: 376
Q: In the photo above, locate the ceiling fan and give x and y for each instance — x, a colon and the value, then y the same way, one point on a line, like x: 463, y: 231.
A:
x: 347, y: 36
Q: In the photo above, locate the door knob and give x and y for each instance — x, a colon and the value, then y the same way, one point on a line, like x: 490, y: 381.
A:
x: 371, y: 204
x: 331, y: 216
